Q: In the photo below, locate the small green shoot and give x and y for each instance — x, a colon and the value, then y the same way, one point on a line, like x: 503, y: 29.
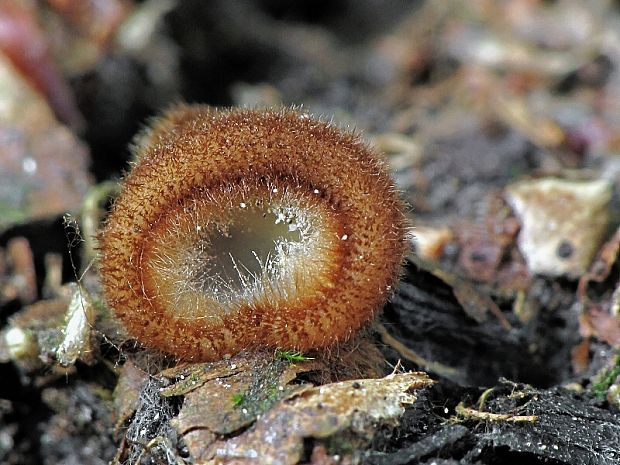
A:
x: 238, y: 399
x: 605, y: 381
x: 292, y: 356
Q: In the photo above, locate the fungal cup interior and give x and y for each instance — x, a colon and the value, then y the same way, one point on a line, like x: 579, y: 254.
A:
x: 257, y: 244
x: 250, y: 250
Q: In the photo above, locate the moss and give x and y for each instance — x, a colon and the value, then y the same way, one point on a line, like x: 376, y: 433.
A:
x: 291, y: 356
x: 238, y: 399
x: 605, y: 379
x: 265, y: 388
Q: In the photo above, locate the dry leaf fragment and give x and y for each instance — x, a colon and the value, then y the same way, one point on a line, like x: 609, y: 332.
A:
x: 350, y: 409
x: 563, y: 223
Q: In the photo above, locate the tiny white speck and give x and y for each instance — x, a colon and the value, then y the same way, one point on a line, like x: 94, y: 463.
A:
x: 316, y: 191
x: 14, y: 338
x: 245, y: 411
x: 198, y: 227
x: 182, y: 376
x: 344, y: 237
x: 233, y: 366
x: 242, y: 204
x: 275, y: 190
x: 29, y: 165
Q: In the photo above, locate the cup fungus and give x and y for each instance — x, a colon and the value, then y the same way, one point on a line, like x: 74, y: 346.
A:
x: 239, y: 229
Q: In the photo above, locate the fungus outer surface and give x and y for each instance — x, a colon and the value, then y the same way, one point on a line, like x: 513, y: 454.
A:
x: 245, y: 228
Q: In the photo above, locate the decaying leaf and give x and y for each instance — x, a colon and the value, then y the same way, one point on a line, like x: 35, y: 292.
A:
x: 602, y: 325
x: 255, y: 408
x: 186, y: 378
x: 17, y: 273
x: 33, y: 333
x: 601, y: 266
x: 225, y: 396
x: 563, y: 223
x: 346, y: 413
x: 43, y: 166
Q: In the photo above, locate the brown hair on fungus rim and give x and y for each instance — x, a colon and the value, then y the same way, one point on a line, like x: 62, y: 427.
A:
x: 250, y: 228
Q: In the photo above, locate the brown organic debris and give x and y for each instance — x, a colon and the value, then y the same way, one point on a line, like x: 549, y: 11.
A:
x: 127, y: 393
x: 602, y: 325
x: 563, y: 223
x: 43, y: 166
x: 17, y: 273
x: 602, y: 265
x: 349, y: 410
x: 234, y: 405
